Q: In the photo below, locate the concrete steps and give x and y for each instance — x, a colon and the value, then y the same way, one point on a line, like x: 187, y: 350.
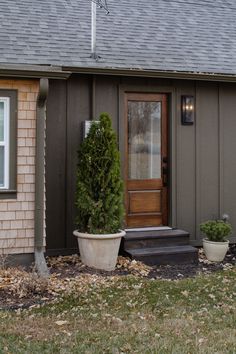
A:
x: 157, y: 247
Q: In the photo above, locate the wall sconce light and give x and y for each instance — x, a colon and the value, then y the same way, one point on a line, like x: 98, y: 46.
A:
x: 187, y: 110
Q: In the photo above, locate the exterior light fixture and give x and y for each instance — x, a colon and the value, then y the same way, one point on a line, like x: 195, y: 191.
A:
x: 187, y: 110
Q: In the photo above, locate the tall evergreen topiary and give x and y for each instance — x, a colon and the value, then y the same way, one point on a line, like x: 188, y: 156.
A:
x: 99, y: 195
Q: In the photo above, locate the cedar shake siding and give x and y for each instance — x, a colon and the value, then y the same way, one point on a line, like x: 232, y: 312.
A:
x: 17, y: 210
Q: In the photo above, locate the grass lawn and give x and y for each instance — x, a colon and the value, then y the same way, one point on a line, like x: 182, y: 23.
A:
x: 131, y: 315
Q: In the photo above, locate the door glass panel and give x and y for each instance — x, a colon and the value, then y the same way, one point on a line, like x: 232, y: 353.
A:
x: 144, y: 140
x: 1, y: 121
x: 1, y: 166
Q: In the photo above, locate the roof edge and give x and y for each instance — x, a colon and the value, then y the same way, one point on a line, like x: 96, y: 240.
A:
x: 153, y: 74
x: 64, y: 72
x: 33, y: 71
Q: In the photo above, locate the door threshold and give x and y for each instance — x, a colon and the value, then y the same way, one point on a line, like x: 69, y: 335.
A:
x: 158, y: 228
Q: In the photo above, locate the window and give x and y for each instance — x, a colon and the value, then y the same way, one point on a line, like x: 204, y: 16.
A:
x: 8, y: 143
x: 4, y: 142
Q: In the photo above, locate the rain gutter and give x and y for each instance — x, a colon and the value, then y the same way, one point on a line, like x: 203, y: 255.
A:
x: 181, y: 75
x: 33, y: 71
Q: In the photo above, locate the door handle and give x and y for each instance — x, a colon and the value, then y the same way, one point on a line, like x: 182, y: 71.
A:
x: 165, y: 159
x: 165, y: 176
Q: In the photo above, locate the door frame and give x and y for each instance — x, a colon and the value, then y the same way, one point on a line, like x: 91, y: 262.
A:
x: 172, y: 112
x: 151, y: 184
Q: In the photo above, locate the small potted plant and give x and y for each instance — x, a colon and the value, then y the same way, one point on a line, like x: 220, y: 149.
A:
x: 99, y: 197
x: 216, y: 244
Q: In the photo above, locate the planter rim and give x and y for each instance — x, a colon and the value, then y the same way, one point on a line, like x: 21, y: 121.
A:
x: 98, y: 236
x: 216, y: 242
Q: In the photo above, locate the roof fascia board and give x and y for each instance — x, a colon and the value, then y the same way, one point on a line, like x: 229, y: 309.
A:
x: 33, y: 71
x: 154, y: 74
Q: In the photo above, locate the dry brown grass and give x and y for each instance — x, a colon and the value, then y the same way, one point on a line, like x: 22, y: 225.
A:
x: 131, y: 315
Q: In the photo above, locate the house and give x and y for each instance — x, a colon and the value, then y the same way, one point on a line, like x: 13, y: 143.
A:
x: 165, y: 72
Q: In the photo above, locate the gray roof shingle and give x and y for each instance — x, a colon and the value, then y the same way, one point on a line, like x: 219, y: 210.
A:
x: 157, y: 35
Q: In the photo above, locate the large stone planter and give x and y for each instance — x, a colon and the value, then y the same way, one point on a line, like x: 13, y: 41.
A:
x: 99, y: 251
x: 215, y: 251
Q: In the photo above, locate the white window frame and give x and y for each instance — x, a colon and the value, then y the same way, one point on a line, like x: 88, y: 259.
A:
x: 6, y: 142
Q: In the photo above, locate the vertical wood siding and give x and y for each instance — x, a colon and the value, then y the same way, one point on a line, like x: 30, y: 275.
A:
x: 186, y: 165
x: 203, y: 170
x: 227, y: 158
x: 56, y: 166
x: 207, y: 153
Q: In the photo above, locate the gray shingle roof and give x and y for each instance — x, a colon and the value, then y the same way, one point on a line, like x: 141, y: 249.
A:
x: 175, y: 35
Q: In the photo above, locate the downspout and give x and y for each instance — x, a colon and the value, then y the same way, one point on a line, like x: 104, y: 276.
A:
x: 93, y: 99
x: 40, y: 262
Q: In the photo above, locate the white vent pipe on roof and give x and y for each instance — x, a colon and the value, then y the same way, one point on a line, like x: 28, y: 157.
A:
x: 93, y: 29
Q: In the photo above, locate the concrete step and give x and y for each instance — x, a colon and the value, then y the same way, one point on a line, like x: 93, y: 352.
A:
x: 154, y: 238
x: 165, y: 255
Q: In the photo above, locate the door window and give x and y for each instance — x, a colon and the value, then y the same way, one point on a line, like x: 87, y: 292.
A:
x: 144, y: 140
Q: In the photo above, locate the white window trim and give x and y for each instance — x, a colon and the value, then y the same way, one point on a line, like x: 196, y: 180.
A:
x: 6, y: 142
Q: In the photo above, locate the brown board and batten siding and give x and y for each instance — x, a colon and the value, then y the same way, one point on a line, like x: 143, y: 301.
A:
x: 202, y: 163
x: 56, y: 165
x: 227, y: 159
x: 69, y: 104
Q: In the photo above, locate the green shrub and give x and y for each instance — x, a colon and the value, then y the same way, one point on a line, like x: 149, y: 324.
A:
x: 216, y: 230
x: 99, y: 195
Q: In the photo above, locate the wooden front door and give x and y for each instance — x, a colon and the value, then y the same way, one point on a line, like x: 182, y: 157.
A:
x: 146, y: 159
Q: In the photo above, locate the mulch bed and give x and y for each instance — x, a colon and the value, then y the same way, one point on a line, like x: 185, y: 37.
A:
x: 21, y: 289
x: 68, y: 267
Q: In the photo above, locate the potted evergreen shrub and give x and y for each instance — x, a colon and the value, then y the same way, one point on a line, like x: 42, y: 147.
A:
x: 99, y: 197
x: 216, y: 244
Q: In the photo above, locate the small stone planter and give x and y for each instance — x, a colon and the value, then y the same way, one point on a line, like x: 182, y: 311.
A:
x: 215, y: 251
x: 99, y: 251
